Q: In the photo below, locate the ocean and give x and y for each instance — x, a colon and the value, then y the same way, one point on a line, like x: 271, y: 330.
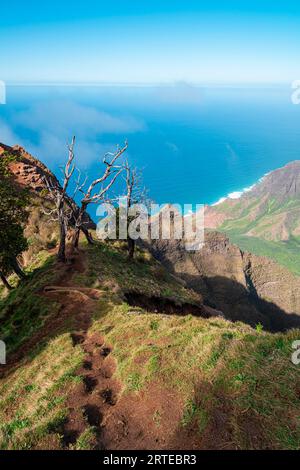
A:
x: 193, y: 144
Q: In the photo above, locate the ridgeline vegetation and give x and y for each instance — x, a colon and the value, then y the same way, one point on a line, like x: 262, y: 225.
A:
x: 110, y: 350
x: 13, y: 217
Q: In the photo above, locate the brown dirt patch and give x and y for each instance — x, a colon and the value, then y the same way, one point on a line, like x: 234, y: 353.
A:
x: 74, y: 312
x: 145, y: 420
x: 92, y: 400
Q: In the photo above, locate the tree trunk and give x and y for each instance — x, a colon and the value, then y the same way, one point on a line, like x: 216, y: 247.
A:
x: 76, y: 237
x: 131, y: 246
x: 78, y: 226
x: 88, y: 236
x: 16, y: 267
x: 5, y: 281
x: 61, y: 255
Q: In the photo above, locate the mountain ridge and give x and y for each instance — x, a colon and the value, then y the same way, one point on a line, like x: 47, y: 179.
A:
x: 217, y: 273
x: 110, y: 353
x: 266, y: 219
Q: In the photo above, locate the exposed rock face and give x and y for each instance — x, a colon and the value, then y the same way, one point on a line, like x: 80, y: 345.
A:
x: 282, y: 184
x: 273, y: 282
x: 29, y: 172
x: 270, y: 210
x: 245, y: 287
x: 241, y: 285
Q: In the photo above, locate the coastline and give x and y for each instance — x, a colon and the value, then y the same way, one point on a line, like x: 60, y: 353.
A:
x: 239, y: 194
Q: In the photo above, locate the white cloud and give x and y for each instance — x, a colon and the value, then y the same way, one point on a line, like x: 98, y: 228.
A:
x: 51, y: 125
x: 7, y: 135
x: 51, y: 148
x: 67, y: 117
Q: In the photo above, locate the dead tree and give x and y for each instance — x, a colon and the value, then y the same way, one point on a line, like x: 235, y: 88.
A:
x: 135, y: 194
x: 60, y: 198
x: 101, y: 185
x: 75, y: 211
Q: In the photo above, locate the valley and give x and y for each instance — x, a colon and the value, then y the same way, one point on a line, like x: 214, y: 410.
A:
x: 168, y: 350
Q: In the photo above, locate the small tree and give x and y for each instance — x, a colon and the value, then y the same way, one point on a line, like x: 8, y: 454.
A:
x: 13, y: 243
x: 13, y: 216
x: 97, y: 190
x: 59, y: 196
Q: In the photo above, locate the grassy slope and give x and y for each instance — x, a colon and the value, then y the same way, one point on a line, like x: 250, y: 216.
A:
x: 213, y: 364
x: 23, y: 311
x: 263, y: 241
x: 285, y: 253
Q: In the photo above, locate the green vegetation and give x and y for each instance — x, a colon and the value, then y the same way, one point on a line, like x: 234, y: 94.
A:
x: 87, y: 439
x: 258, y: 227
x: 215, y: 369
x: 109, y: 268
x: 214, y: 365
x: 23, y: 311
x: 285, y: 253
x: 13, y: 215
x: 32, y: 409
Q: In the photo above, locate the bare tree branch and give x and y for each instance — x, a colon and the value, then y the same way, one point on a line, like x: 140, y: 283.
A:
x: 135, y: 194
x: 109, y: 167
x: 101, y: 185
x: 59, y: 196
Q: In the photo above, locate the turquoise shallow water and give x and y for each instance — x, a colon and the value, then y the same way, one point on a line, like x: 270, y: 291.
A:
x: 194, y: 144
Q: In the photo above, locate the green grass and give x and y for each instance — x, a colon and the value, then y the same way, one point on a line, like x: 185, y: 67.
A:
x: 23, y: 311
x: 286, y: 254
x: 32, y: 406
x: 264, y: 239
x: 110, y: 269
x: 212, y: 366
x: 87, y: 440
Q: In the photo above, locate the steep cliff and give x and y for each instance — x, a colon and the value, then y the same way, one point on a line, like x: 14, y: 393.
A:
x: 29, y: 172
x: 266, y: 219
x: 109, y: 353
x: 244, y: 286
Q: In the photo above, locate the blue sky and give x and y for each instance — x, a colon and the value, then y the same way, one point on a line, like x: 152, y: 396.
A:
x: 143, y: 41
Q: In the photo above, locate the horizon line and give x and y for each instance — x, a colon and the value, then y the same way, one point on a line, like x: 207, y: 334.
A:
x: 175, y: 83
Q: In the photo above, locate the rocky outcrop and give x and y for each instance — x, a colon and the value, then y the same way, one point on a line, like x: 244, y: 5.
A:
x: 281, y: 184
x: 29, y: 172
x: 243, y: 286
x: 270, y: 210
